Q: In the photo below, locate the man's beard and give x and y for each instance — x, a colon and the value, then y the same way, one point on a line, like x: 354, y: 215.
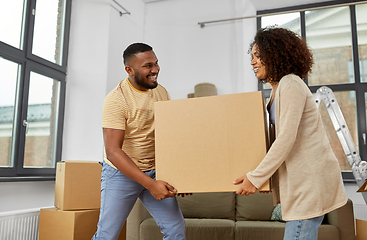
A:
x: 142, y: 82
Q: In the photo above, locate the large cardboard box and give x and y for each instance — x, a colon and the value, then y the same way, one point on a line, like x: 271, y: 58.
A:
x: 361, y: 227
x: 78, y: 185
x: 204, y: 144
x: 56, y: 224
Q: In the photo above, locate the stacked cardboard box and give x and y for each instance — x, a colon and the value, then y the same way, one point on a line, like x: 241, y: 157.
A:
x: 77, y: 202
x: 361, y: 229
x: 361, y: 225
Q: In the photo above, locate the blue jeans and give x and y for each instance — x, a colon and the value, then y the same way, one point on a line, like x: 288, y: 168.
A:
x: 302, y: 229
x: 118, y: 196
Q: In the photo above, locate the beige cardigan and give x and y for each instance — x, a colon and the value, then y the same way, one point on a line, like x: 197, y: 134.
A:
x: 307, y: 177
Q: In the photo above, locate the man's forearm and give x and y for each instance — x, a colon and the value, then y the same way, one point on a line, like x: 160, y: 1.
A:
x: 125, y: 165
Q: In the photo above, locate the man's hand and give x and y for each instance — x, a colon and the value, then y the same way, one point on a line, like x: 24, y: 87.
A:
x: 161, y: 190
x: 246, y: 187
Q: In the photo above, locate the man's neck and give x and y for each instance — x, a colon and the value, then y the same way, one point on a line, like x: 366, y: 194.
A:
x: 136, y: 86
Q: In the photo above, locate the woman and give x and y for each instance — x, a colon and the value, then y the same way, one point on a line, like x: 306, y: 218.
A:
x: 304, y: 171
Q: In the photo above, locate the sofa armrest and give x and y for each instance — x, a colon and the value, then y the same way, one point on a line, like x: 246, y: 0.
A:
x: 137, y: 215
x: 343, y: 219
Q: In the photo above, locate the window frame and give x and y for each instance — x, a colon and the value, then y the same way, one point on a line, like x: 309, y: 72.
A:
x: 29, y: 62
x: 357, y: 86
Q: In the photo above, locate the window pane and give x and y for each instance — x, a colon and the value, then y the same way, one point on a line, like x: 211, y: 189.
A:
x: 362, y: 39
x: 49, y: 30
x: 328, y: 34
x: 11, y: 22
x: 42, y: 120
x: 290, y: 21
x: 365, y: 97
x: 8, y: 88
x: 347, y: 104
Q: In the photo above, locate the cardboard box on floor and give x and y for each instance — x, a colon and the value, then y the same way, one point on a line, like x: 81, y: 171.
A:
x: 78, y: 185
x: 204, y: 144
x: 70, y: 225
x: 361, y: 227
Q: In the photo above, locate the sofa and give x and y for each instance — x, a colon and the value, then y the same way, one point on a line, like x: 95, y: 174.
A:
x: 225, y: 216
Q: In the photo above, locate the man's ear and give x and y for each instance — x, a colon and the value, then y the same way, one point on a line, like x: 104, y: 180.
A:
x: 129, y: 70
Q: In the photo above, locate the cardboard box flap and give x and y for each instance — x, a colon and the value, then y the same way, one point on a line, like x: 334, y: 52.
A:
x: 363, y: 188
x: 78, y: 161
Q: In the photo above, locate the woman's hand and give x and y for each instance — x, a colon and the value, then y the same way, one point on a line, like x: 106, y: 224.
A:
x: 184, y: 194
x: 246, y: 187
x: 266, y: 191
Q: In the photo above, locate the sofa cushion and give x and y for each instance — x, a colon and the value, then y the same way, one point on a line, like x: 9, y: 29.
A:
x: 210, y: 229
x: 259, y: 230
x: 258, y: 206
x: 149, y: 230
x: 196, y: 229
x: 265, y: 230
x: 327, y: 231
x: 219, y: 205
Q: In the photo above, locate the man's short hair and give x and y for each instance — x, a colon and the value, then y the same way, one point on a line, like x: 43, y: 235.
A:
x: 133, y: 49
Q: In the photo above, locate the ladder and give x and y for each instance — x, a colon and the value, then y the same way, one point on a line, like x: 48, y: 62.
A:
x: 359, y: 167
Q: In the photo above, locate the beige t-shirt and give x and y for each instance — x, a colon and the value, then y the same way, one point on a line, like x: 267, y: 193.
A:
x: 129, y: 109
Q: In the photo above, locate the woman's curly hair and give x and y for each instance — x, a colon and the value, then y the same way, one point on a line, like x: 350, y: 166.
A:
x: 282, y: 52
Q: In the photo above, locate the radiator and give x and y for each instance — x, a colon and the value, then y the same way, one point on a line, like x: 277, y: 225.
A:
x: 360, y: 211
x: 19, y: 225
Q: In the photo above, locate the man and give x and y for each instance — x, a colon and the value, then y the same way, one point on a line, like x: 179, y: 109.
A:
x: 128, y: 170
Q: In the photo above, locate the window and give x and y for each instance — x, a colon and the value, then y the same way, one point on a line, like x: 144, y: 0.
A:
x: 337, y: 37
x: 33, y: 52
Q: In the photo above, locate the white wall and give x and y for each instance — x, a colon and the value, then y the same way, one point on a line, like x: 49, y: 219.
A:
x: 25, y: 195
x: 189, y: 54
x: 86, y: 80
x: 124, y: 30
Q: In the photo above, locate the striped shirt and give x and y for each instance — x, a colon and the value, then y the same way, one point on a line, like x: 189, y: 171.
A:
x: 129, y: 109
